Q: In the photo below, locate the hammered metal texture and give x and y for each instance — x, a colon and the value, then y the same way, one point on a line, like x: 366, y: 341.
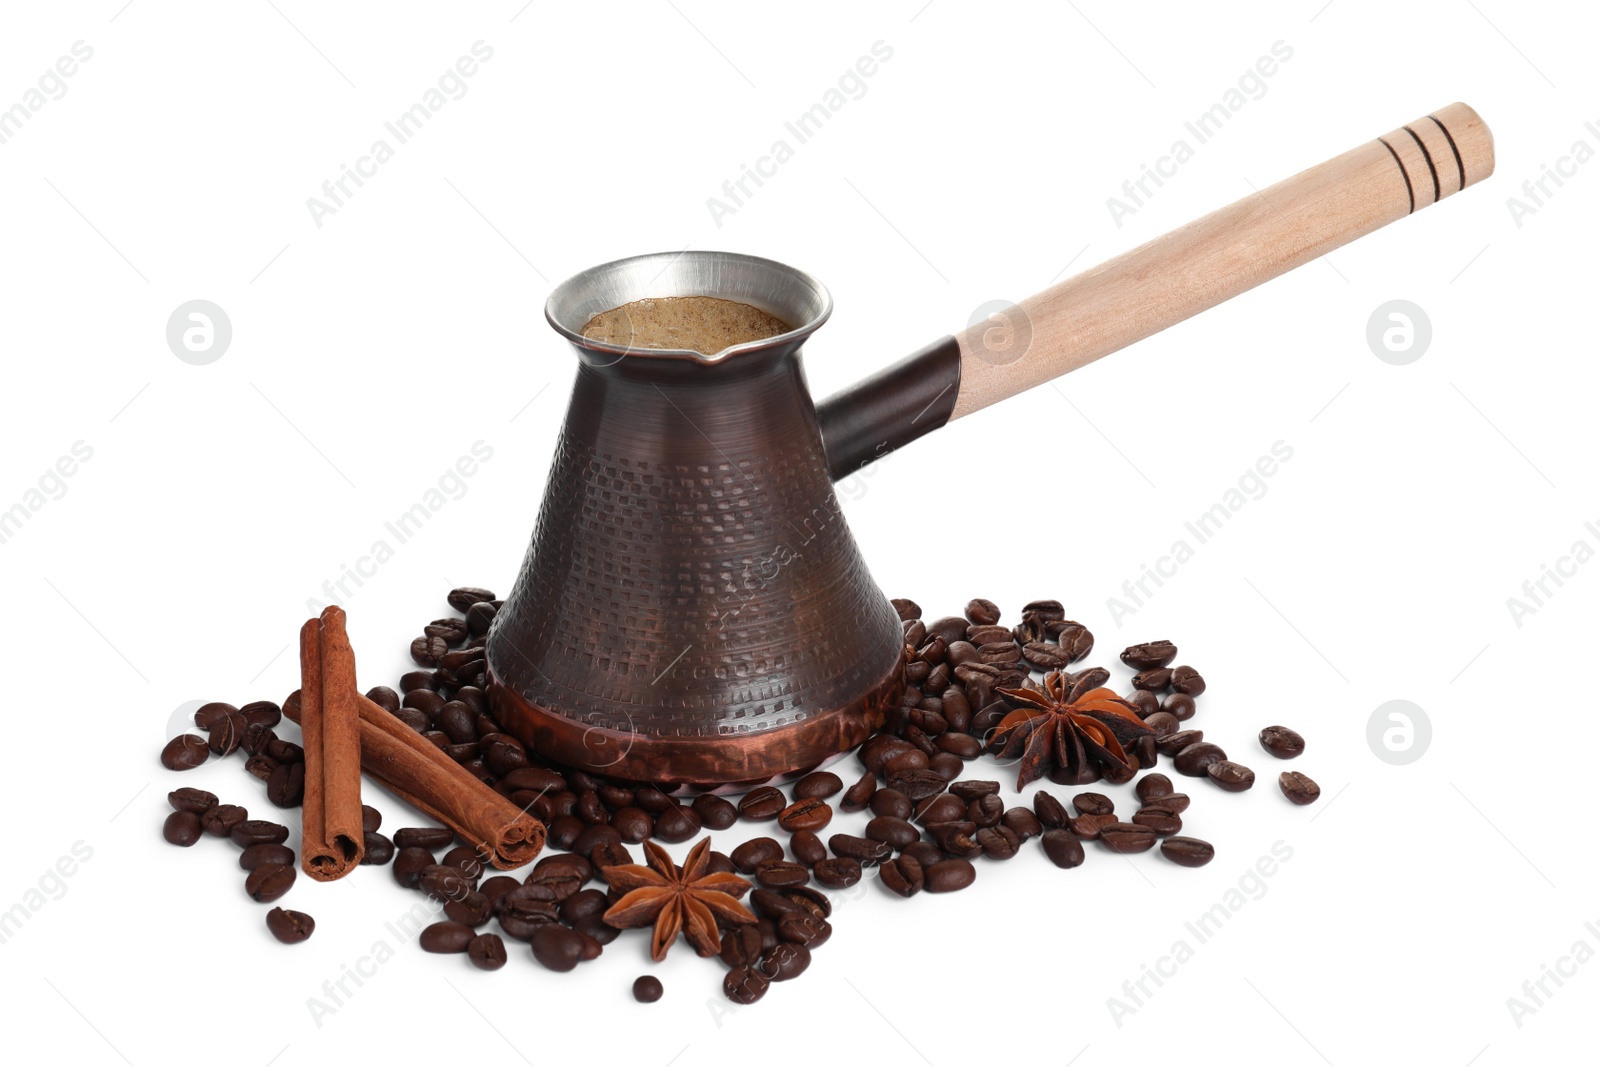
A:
x: 691, y: 577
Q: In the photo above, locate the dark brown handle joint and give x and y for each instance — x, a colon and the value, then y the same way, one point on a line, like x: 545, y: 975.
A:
x: 892, y: 408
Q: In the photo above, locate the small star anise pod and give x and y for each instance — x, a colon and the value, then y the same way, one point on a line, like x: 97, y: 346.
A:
x: 1071, y: 742
x: 675, y: 899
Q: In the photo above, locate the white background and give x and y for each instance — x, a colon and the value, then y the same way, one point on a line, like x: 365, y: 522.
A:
x: 369, y: 353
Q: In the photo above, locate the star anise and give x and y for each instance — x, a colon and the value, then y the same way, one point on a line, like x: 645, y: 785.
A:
x: 1072, y: 742
x: 675, y: 899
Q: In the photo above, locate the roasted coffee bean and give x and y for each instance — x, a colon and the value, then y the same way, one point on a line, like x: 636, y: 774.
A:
x: 803, y: 929
x: 890, y: 801
x: 1298, y: 787
x: 538, y: 779
x: 751, y: 855
x: 913, y: 632
x: 1234, y: 777
x: 197, y: 801
x: 863, y: 849
x: 1187, y: 680
x: 371, y: 818
x: 1022, y: 822
x: 932, y: 650
x: 182, y: 828
x: 741, y: 945
x: 839, y: 872
x: 985, y: 812
x: 258, y: 855
x: 987, y: 634
x: 1193, y: 760
x: 1154, y: 680
x: 428, y: 651
x: 918, y: 784
x: 1282, y: 742
x: 206, y: 715
x: 946, y: 807
x: 220, y: 820
x: 463, y: 597
x: 185, y: 752
x: 1187, y: 851
x: 269, y: 881
x: 409, y: 863
x: 1086, y: 681
x: 817, y: 784
x: 859, y: 795
x: 807, y: 848
x: 744, y: 985
x: 812, y: 814
x: 998, y: 843
x: 1145, y: 703
x: 970, y: 789
x: 762, y: 804
x: 981, y: 612
x: 950, y: 627
x: 647, y: 989
x: 458, y: 722
x: 413, y: 718
x: 494, y: 889
x: 1062, y: 847
x: 479, y: 617
x: 894, y: 832
x: 286, y: 788
x: 1171, y: 803
x: 1150, y: 655
x: 290, y: 927
x: 955, y: 838
x: 947, y: 876
x: 1093, y: 804
x: 1163, y: 723
x: 452, y: 631
x: 583, y: 904
x: 784, y: 961
x: 902, y: 876
x: 1044, y: 656
x: 1164, y: 823
x: 557, y: 947
x: 1052, y: 813
x: 677, y: 824
x: 1152, y: 785
x: 913, y: 759
x: 961, y: 745
x: 1179, y: 705
x: 443, y: 882
x: 906, y: 609
x: 1088, y: 827
x: 782, y: 874
x: 1172, y: 744
x: 428, y: 837
x: 959, y: 652
x: 464, y: 858
x: 715, y: 812
x: 376, y: 850
x: 385, y: 698
x: 262, y: 712
x: 446, y: 937
x: 427, y: 701
x: 258, y: 832
x: 1127, y: 837
x: 487, y: 952
x: 414, y: 680
x: 607, y: 853
x: 471, y: 908
x: 524, y: 910
x: 564, y: 830
x: 1076, y: 640
x: 634, y: 824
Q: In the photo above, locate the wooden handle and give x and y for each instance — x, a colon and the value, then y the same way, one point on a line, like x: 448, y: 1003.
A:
x: 1198, y: 266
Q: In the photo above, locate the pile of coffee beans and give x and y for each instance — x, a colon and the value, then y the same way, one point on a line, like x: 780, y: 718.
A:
x: 263, y: 854
x: 920, y: 822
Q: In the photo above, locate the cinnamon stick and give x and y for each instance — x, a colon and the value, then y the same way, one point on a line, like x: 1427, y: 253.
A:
x: 422, y: 775
x: 330, y: 724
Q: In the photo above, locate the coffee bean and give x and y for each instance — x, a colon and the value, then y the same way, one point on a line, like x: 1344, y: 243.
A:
x: 377, y: 849
x: 428, y: 651
x: 803, y: 929
x: 917, y: 784
x: 444, y: 882
x: 1088, y: 827
x: 762, y: 804
x: 1187, y: 680
x: 487, y: 952
x: 428, y: 837
x: 1163, y: 723
x: 1164, y: 823
x: 1150, y: 655
x: 1172, y: 744
x: 997, y: 842
x: 463, y: 597
x: 946, y: 807
x: 465, y: 859
x: 817, y: 784
x: 813, y: 814
x: 1022, y: 822
x: 471, y: 908
x: 1153, y: 680
x: 1127, y: 837
x: 948, y: 876
x: 1187, y: 851
x: 446, y: 937
x: 634, y: 824
x: 525, y: 910
x: 744, y: 985
x: 258, y: 855
x: 1171, y: 803
x: 220, y: 820
x: 1152, y: 785
x: 895, y: 832
x: 290, y: 927
x: 1051, y: 812
x: 1234, y: 777
x: 807, y: 848
x: 902, y: 876
x: 1145, y: 703
x: 715, y: 812
x: 839, y: 872
x: 1282, y: 742
x: 1298, y: 788
x: 741, y: 945
x: 182, y: 828
x: 1179, y: 705
x: 751, y: 855
x: 258, y: 832
x: 985, y: 812
x: 986, y: 634
x: 1045, y: 656
x: 647, y: 989
x: 207, y: 714
x: 1193, y: 760
x: 226, y: 733
x: 859, y: 795
x: 269, y: 881
x: 981, y: 612
x: 906, y: 609
x: 197, y: 801
x: 1093, y: 804
x: 261, y: 766
x: 888, y: 801
x: 781, y: 874
x: 286, y: 788
x: 861, y: 849
x: 1062, y: 848
x: 185, y: 752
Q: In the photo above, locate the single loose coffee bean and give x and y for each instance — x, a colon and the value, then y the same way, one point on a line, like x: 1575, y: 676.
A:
x: 908, y: 610
x: 226, y: 733
x: 889, y: 801
x: 751, y: 855
x: 647, y: 989
x: 1163, y: 723
x: 1298, y: 787
x: 1062, y: 847
x: 1127, y: 837
x: 428, y: 651
x: 1145, y: 703
x: 896, y: 833
x: 557, y: 947
x: 677, y: 824
x: 862, y: 849
x: 290, y: 927
x: 583, y: 904
x: 465, y: 859
x: 981, y: 612
x: 428, y: 837
x: 838, y: 872
x: 1149, y: 655
x: 634, y: 824
x: 742, y: 945
x: 1171, y: 803
x: 812, y: 813
x: 997, y: 842
x: 985, y: 812
x: 1187, y: 680
x: 817, y: 784
x: 1179, y: 705
x: 948, y: 876
x: 762, y: 804
x: 859, y: 795
x: 784, y: 961
x: 182, y: 828
x: 955, y: 838
x: 471, y: 908
x: 487, y: 952
x: 269, y: 881
x: 286, y: 787
x: 1282, y: 742
x: 1077, y: 640
x: 196, y: 800
x: 803, y: 929
x: 744, y: 985
x: 220, y: 820
x: 1093, y: 804
x: 377, y: 849
x: 715, y: 812
x: 1164, y: 823
x: 1152, y: 785
x: 1234, y: 777
x: 782, y: 874
x: 479, y: 618
x: 1172, y: 744
x: 257, y: 855
x: 258, y: 832
x: 946, y: 807
x: 1187, y: 851
x: 902, y: 876
x: 1193, y: 759
x: 443, y: 882
x: 918, y: 784
x: 463, y: 597
x: 1022, y: 822
x: 1088, y: 827
x: 1052, y: 813
x: 446, y: 936
x: 185, y: 752
x: 371, y: 818
x: 1154, y: 680
x: 207, y: 714
x: 807, y: 848
x: 385, y: 698
x: 409, y: 863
